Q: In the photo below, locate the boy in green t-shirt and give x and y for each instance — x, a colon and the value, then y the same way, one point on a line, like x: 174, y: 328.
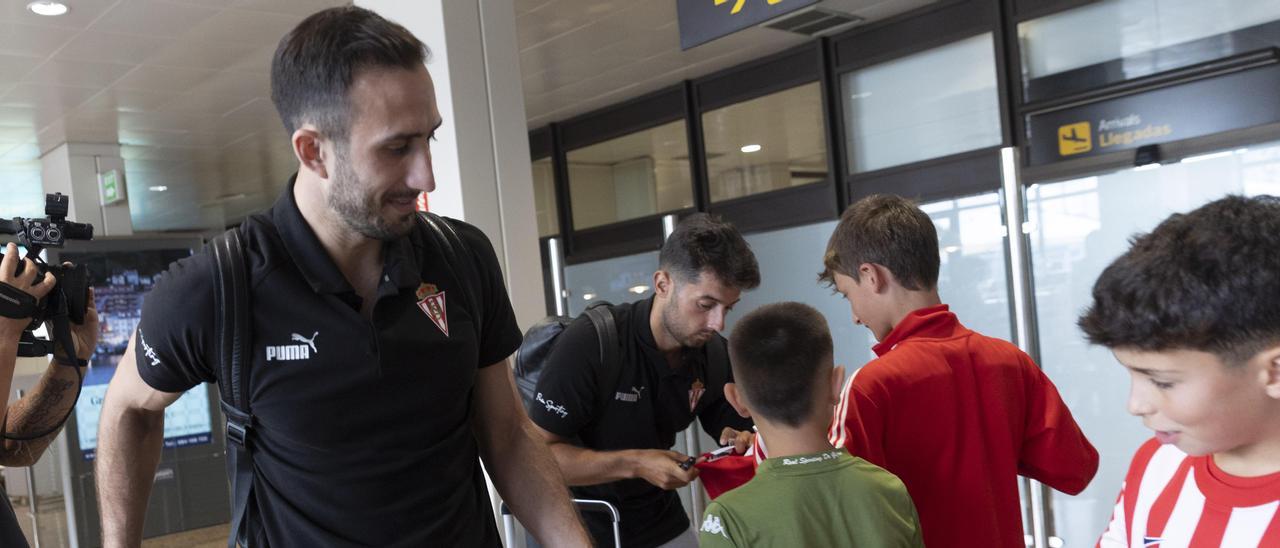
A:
x: 806, y: 493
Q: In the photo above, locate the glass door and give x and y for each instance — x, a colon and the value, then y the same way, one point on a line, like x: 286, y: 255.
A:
x: 1077, y: 227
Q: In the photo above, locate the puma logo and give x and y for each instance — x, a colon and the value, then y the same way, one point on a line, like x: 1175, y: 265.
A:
x: 290, y: 352
x: 310, y: 342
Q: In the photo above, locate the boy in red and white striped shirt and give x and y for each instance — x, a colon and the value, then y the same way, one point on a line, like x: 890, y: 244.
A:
x: 1193, y: 311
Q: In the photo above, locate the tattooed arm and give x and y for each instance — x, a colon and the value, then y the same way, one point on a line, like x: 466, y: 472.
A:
x: 45, y: 405
x: 41, y: 409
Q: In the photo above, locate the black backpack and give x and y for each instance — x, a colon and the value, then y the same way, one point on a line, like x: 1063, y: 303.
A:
x: 234, y: 346
x: 541, y: 338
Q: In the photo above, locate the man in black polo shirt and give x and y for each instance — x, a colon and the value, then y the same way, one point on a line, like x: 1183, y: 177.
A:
x: 673, y: 367
x: 376, y: 383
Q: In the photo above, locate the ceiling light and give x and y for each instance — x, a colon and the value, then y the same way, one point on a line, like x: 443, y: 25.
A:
x: 638, y: 289
x: 751, y: 148
x: 46, y: 8
x: 158, y: 188
x: 588, y: 296
x: 1210, y: 156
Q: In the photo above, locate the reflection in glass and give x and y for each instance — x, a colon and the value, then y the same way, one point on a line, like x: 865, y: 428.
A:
x: 544, y: 198
x: 617, y: 280
x: 768, y: 143
x: 932, y: 104
x: 971, y: 280
x: 1077, y: 228
x: 1148, y: 35
x: 971, y: 277
x: 632, y: 176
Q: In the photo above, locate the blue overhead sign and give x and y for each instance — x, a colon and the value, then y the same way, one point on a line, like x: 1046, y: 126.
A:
x: 702, y: 21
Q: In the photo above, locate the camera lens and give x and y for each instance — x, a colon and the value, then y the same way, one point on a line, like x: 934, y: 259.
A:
x: 54, y: 234
x: 37, y: 233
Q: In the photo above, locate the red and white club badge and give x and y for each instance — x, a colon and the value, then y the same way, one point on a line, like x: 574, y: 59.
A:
x: 695, y: 393
x: 431, y: 301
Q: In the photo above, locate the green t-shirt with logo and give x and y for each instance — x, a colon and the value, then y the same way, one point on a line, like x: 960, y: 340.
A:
x: 821, y: 499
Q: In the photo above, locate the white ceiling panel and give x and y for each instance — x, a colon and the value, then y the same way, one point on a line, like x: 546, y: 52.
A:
x: 25, y: 39
x: 39, y: 96
x: 164, y: 79
x: 13, y: 68
x: 107, y: 47
x: 193, y: 54
x: 61, y: 72
x: 241, y: 27
x: 153, y: 18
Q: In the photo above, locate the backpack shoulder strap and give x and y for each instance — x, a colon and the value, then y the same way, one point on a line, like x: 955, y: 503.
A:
x: 460, y: 259
x: 233, y: 334
x: 611, y: 367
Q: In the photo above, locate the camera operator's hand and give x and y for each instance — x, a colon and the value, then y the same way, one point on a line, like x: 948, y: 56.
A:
x: 10, y: 328
x: 85, y: 334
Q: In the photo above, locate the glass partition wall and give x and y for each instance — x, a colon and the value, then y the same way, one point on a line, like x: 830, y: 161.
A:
x: 1077, y: 227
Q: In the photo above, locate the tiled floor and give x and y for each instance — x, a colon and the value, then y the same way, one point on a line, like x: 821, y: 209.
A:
x: 53, y: 533
x: 209, y: 537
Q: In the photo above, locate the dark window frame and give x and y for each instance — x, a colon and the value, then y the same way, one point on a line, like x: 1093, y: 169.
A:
x: 780, y: 208
x: 935, y: 178
x: 1064, y: 87
x: 638, y: 235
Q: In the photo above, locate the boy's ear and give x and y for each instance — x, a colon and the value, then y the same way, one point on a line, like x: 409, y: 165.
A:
x: 876, y: 275
x: 735, y: 399
x: 1271, y: 372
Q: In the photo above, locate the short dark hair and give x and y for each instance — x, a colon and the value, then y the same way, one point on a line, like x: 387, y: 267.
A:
x: 1208, y: 280
x: 776, y: 352
x: 889, y: 231
x: 702, y: 242
x: 315, y: 64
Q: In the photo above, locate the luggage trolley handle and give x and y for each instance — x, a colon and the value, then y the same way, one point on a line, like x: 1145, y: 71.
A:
x: 587, y: 505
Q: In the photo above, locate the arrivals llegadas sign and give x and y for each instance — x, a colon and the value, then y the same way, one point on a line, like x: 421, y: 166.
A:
x: 1194, y: 109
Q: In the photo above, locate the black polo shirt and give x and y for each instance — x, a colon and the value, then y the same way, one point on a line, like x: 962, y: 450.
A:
x: 647, y: 408
x: 363, y: 435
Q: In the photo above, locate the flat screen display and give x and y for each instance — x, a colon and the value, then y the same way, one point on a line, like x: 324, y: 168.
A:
x: 121, y: 281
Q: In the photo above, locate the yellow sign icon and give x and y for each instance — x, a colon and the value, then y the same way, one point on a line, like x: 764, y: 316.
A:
x: 737, y: 6
x: 1074, y: 139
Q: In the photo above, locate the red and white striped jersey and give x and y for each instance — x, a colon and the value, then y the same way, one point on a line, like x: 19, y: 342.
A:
x: 1172, y: 500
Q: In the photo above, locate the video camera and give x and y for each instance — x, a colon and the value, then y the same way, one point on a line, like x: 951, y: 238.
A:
x: 69, y: 298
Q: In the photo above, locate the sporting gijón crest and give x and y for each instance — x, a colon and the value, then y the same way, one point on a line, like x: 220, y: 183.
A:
x: 431, y: 301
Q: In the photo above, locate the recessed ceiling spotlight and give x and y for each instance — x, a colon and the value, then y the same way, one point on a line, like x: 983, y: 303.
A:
x: 158, y: 188
x: 47, y: 8
x: 751, y: 148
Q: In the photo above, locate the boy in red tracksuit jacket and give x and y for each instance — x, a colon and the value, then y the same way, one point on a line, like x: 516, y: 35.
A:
x: 955, y: 414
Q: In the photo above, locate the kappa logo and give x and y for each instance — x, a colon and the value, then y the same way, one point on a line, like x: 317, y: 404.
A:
x: 632, y: 397
x: 552, y: 407
x: 293, y: 352
x: 714, y: 526
x: 147, y: 351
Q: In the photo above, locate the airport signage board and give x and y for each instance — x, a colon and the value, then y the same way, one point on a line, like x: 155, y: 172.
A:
x: 1184, y: 111
x: 702, y: 21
